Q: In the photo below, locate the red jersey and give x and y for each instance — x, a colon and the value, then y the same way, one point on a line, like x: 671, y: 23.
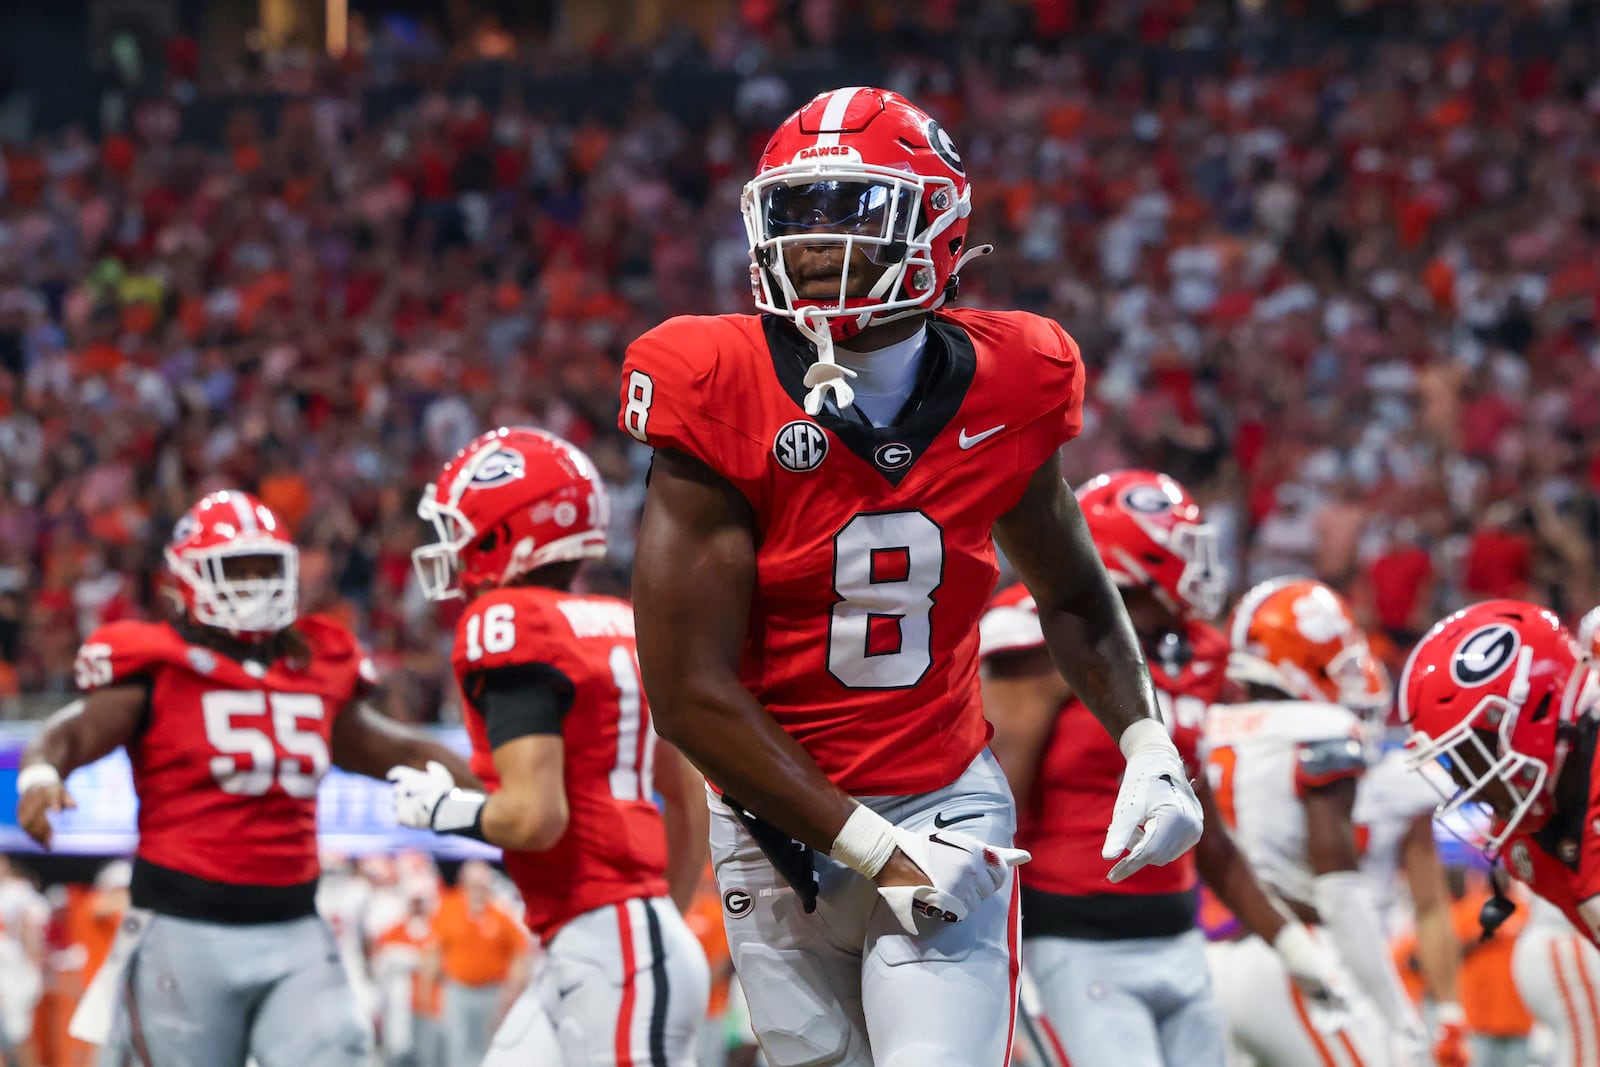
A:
x: 615, y: 847
x: 874, y: 549
x: 1064, y: 823
x: 1561, y: 862
x: 227, y: 763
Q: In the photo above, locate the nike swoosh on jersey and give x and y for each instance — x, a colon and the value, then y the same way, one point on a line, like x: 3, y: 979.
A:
x: 940, y: 822
x: 966, y: 440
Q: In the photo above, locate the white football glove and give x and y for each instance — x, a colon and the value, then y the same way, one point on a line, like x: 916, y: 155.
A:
x: 1157, y: 817
x: 963, y: 870
x: 429, y: 800
x: 1314, y: 970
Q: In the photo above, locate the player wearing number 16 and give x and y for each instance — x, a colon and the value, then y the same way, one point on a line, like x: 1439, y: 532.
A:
x: 561, y: 734
x: 816, y: 549
x: 230, y: 715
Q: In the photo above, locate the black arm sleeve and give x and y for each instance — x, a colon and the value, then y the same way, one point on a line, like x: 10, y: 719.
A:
x: 521, y: 701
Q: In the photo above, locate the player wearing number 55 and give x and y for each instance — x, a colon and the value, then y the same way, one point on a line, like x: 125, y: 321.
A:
x: 230, y: 715
x: 561, y: 733
x: 816, y: 549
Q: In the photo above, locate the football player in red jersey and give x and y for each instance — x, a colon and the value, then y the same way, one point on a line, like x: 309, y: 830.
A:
x: 1121, y: 967
x: 230, y: 716
x: 561, y: 734
x: 816, y: 550
x: 1502, y: 695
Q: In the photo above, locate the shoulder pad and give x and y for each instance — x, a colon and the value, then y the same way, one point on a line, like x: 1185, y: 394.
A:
x: 1319, y: 763
x: 1406, y: 791
x: 1035, y: 363
x: 122, y: 652
x: 335, y: 649
x: 327, y: 638
x: 504, y: 627
x: 667, y: 375
x: 1307, y: 721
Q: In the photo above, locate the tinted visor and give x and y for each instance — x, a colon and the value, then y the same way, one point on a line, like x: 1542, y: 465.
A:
x: 850, y: 208
x: 254, y: 567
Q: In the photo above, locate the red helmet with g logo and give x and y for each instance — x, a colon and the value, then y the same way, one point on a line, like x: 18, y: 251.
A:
x: 1150, y: 533
x: 1488, y: 691
x: 512, y: 501
x: 236, y: 567
x: 864, y: 168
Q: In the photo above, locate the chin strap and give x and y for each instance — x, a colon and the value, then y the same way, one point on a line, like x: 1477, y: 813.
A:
x: 968, y: 256
x: 1498, y: 908
x: 824, y: 374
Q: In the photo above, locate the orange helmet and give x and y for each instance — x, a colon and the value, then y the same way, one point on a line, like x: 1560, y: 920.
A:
x: 1589, y: 635
x: 1299, y: 636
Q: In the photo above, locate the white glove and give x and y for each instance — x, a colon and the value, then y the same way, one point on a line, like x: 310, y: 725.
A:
x: 1315, y: 972
x: 963, y: 870
x: 1411, y: 1048
x: 1157, y: 817
x: 429, y: 800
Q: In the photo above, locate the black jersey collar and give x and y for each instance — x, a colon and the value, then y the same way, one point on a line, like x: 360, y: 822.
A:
x: 948, y: 365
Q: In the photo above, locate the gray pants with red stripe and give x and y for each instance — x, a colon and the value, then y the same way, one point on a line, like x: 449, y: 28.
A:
x: 622, y: 986
x: 198, y: 994
x: 843, y: 986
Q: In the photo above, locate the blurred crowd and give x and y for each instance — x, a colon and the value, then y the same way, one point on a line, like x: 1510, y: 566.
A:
x: 1337, y: 272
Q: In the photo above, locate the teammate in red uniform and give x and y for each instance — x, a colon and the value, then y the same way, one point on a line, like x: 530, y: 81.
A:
x: 230, y: 716
x: 1120, y: 966
x: 815, y: 554
x: 1503, y: 696
x: 561, y: 734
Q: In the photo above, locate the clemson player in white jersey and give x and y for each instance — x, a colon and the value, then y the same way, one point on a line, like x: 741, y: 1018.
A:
x: 1284, y: 766
x: 1394, y: 831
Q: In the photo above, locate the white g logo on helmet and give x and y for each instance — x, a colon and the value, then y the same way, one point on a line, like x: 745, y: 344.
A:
x: 500, y: 467
x: 1484, y: 655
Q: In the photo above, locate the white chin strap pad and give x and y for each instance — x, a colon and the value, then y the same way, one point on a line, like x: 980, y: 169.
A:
x: 824, y: 374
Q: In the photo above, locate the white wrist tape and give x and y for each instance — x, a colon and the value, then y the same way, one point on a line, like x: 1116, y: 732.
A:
x: 1144, y: 734
x: 1294, y: 944
x: 458, y: 811
x: 35, y: 775
x: 865, y: 841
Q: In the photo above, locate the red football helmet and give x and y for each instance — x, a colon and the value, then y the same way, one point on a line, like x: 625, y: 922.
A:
x: 1487, y: 692
x: 212, y: 555
x: 1150, y: 533
x: 860, y: 167
x: 512, y: 501
x: 1298, y: 636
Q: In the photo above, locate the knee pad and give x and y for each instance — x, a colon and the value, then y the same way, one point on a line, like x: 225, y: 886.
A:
x: 797, y: 1027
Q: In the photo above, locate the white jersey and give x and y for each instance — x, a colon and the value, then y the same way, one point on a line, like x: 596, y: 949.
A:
x: 342, y: 900
x: 1389, y: 799
x: 1260, y: 757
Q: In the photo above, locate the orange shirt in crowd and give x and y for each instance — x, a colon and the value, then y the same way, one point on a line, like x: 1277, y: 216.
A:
x: 410, y: 940
x: 705, y: 921
x: 479, y: 949
x: 1488, y: 994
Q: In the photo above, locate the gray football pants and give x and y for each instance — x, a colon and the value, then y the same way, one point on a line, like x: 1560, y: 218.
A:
x: 198, y: 994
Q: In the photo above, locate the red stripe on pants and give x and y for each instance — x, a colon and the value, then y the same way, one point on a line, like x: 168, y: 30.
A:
x: 629, y: 970
x: 1013, y: 921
